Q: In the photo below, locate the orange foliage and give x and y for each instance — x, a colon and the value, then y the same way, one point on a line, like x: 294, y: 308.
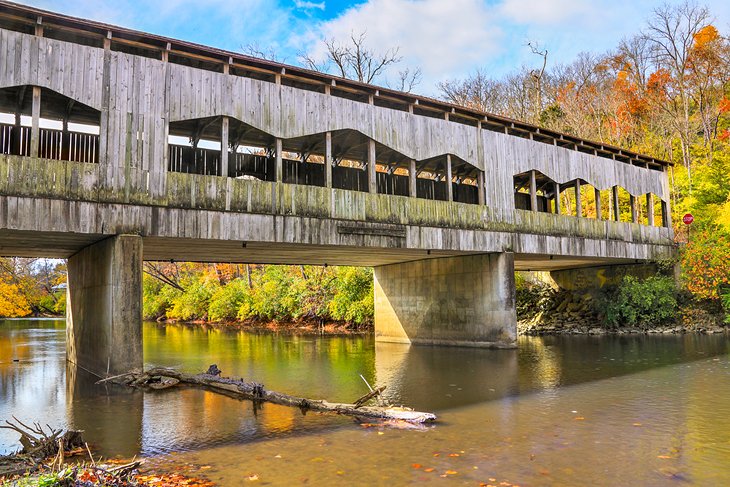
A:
x: 659, y: 81
x: 724, y: 105
x: 724, y: 136
x: 705, y: 36
x: 706, y: 265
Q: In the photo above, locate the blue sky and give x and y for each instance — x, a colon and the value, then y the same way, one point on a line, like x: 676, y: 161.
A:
x: 448, y: 39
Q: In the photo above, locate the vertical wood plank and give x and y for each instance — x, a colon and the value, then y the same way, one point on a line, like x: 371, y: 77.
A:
x: 578, y: 200
x: 372, y: 182
x: 328, y: 159
x: 599, y: 212
x: 533, y: 191
x: 449, y: 186
x: 412, y: 187
x: 616, y: 209
x: 634, y: 209
x: 480, y: 187
x: 35, y: 132
x: 224, y: 145
x: 650, y: 209
x: 557, y: 197
x: 279, y: 161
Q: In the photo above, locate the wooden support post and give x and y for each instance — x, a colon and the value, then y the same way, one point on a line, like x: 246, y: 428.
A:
x: 599, y: 211
x: 328, y: 159
x: 616, y: 209
x: 480, y: 187
x: 533, y: 190
x: 224, y: 147
x: 578, y: 200
x: 279, y: 160
x: 412, y: 187
x: 557, y: 197
x: 39, y: 26
x: 449, y: 186
x: 666, y: 216
x: 650, y: 209
x: 372, y: 181
x: 634, y: 210
x: 35, y: 132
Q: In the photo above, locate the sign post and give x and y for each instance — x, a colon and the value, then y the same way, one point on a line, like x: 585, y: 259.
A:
x: 687, y: 219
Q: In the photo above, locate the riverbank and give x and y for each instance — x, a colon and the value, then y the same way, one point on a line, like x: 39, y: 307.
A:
x: 298, y: 327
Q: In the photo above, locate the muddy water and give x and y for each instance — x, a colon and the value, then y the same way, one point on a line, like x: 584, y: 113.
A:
x: 649, y: 410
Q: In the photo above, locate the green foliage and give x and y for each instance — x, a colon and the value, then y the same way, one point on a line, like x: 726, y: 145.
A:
x: 227, y: 300
x: 640, y: 303
x: 277, y: 293
x: 353, y: 300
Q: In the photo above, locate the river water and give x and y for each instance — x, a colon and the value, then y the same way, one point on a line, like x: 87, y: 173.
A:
x: 628, y: 410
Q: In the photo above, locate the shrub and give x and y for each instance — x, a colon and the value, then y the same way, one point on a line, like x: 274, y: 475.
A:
x: 353, y: 300
x: 640, y: 303
x: 705, y: 263
x: 227, y: 300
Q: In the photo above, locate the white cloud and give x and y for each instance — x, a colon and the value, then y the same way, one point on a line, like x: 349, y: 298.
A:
x: 544, y: 11
x: 305, y: 5
x: 440, y: 37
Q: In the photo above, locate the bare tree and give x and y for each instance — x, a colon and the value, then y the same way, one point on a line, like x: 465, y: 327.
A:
x: 537, y: 74
x: 355, y: 60
x: 255, y: 50
x: 670, y: 36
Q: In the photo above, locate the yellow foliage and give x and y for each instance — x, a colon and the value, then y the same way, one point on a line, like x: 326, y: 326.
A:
x: 12, y: 302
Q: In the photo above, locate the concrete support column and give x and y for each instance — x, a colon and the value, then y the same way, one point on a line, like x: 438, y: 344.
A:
x: 224, y: 147
x: 533, y: 191
x: 556, y: 189
x: 449, y: 186
x: 578, y: 200
x: 328, y: 160
x: 104, y: 306
x: 372, y: 181
x: 412, y: 178
x: 480, y: 187
x: 463, y: 301
x: 597, y: 193
x: 634, y: 210
x: 616, y: 209
x: 35, y: 130
x: 650, y: 209
x: 279, y: 148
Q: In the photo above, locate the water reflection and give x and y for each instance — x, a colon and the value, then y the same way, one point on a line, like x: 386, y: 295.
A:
x: 493, y: 393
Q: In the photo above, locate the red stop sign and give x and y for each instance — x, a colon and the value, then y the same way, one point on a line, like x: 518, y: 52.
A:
x: 688, y: 219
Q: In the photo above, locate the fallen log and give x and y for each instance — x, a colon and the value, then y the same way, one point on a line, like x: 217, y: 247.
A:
x: 256, y: 392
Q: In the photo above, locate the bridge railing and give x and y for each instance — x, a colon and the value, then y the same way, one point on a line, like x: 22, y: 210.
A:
x: 186, y: 159
x: 52, y: 144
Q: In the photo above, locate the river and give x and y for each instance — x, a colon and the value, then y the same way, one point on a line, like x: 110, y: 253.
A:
x: 579, y: 410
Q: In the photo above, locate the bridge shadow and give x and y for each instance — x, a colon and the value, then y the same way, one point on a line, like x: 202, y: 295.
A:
x: 440, y: 378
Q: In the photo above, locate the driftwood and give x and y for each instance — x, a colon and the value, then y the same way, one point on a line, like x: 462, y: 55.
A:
x: 256, y: 392
x: 38, y: 444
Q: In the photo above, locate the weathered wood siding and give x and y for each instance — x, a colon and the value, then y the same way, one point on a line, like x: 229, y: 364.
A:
x: 138, y: 97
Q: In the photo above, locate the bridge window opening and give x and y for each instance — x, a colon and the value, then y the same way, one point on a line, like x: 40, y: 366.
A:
x: 67, y: 130
x: 534, y: 183
x: 303, y: 161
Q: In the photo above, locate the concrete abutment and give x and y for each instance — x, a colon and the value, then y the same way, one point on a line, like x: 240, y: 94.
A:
x: 104, y: 306
x: 460, y: 301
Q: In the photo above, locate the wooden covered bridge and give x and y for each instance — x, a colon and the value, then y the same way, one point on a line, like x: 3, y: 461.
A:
x: 118, y: 146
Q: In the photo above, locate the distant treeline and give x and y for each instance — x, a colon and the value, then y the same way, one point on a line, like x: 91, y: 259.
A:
x: 231, y: 293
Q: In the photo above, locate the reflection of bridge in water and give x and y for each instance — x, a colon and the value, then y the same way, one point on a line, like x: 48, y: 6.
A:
x: 120, y: 146
x: 426, y: 378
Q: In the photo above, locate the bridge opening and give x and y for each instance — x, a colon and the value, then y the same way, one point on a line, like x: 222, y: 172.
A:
x: 38, y: 122
x: 534, y: 191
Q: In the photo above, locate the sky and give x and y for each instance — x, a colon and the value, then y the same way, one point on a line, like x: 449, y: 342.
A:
x: 447, y: 39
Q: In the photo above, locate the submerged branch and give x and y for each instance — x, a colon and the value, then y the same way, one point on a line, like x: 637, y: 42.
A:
x: 256, y: 392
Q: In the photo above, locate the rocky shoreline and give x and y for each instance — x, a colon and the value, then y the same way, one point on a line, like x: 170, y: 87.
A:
x: 574, y: 313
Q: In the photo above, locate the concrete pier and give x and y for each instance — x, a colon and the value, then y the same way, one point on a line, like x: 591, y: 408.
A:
x: 104, y: 306
x: 461, y: 301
